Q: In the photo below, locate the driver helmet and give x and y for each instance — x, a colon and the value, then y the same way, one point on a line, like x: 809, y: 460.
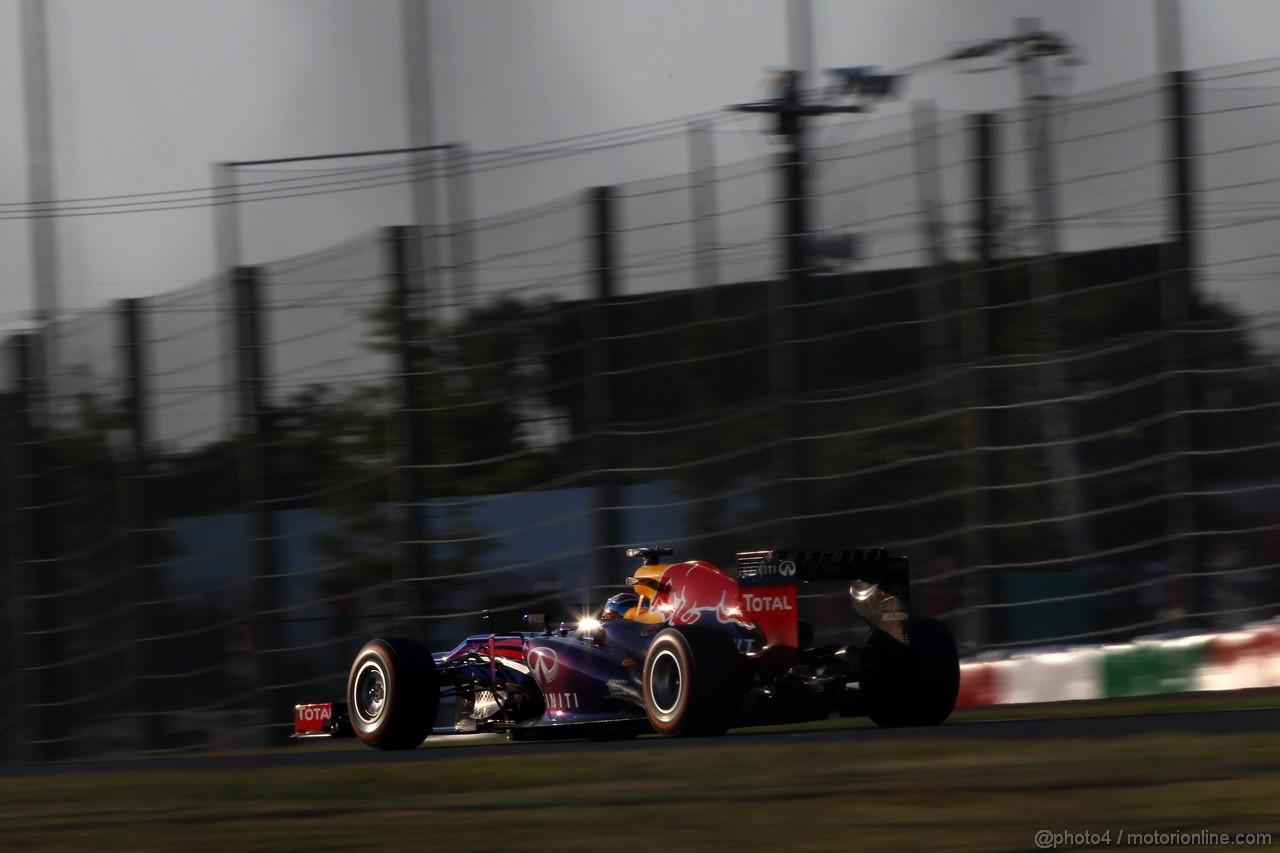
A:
x: 617, y: 607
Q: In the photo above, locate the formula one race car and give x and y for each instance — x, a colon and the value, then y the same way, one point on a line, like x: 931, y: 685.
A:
x: 688, y: 651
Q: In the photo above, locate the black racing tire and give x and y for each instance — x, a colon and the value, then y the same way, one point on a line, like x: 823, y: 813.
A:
x: 912, y: 685
x: 694, y: 680
x: 393, y: 694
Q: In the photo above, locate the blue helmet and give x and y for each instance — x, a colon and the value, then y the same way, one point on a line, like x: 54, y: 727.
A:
x: 617, y: 607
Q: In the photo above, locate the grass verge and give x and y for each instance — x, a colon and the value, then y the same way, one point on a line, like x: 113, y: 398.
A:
x: 926, y: 794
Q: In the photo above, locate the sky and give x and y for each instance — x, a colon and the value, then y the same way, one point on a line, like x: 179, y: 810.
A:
x: 147, y: 95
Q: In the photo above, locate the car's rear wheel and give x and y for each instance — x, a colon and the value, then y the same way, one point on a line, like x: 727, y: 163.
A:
x: 912, y: 685
x: 693, y: 681
x: 393, y: 694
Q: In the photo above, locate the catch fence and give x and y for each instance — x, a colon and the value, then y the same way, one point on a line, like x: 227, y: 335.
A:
x: 216, y: 495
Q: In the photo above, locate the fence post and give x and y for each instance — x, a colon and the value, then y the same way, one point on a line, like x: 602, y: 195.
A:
x: 706, y: 241
x: 1068, y: 499
x: 1178, y: 265
x: 143, y: 591
x: 256, y: 447
x: 783, y: 295
x: 20, y: 527
x: 39, y: 637
x: 226, y: 216
x: 930, y: 277
x: 975, y: 347
x: 462, y: 236
x: 599, y: 411
x: 9, y: 715
x: 410, y: 447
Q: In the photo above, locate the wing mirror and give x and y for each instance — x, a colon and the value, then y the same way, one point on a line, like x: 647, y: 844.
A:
x: 537, y: 621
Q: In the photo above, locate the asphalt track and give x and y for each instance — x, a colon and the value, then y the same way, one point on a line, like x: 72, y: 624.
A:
x: 321, y: 753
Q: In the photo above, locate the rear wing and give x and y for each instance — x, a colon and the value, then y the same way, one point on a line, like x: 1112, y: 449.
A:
x: 879, y: 584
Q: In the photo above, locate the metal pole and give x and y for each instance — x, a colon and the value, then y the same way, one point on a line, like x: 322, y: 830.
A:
x: 599, y: 389
x: 782, y: 298
x: 144, y: 659
x: 975, y: 348
x: 226, y: 217
x: 706, y: 240
x: 415, y: 24
x: 22, y: 469
x: 256, y: 448
x: 410, y: 442
x: 46, y: 296
x: 415, y: 17
x: 11, y: 578
x: 929, y: 295
x: 1169, y: 47
x: 800, y: 52
x: 462, y: 243
x: 1179, y: 262
x: 45, y: 275
x: 45, y: 674
x: 1068, y: 502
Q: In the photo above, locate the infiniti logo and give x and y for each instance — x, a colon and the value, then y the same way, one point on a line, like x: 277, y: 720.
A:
x: 544, y: 664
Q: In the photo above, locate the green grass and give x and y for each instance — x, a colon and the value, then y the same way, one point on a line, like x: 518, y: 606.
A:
x: 910, y: 794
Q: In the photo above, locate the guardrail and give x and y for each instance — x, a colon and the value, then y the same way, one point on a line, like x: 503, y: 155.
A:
x: 1247, y: 658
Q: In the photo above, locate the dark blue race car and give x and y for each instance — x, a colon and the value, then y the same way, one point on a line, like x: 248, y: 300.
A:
x: 687, y: 650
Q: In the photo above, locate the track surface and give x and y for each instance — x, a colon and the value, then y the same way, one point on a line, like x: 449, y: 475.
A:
x: 325, y: 754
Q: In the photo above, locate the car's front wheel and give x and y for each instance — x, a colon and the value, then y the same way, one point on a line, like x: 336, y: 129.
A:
x: 393, y: 694
x: 693, y: 681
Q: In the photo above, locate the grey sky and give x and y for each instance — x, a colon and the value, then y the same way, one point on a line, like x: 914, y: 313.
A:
x: 149, y: 93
